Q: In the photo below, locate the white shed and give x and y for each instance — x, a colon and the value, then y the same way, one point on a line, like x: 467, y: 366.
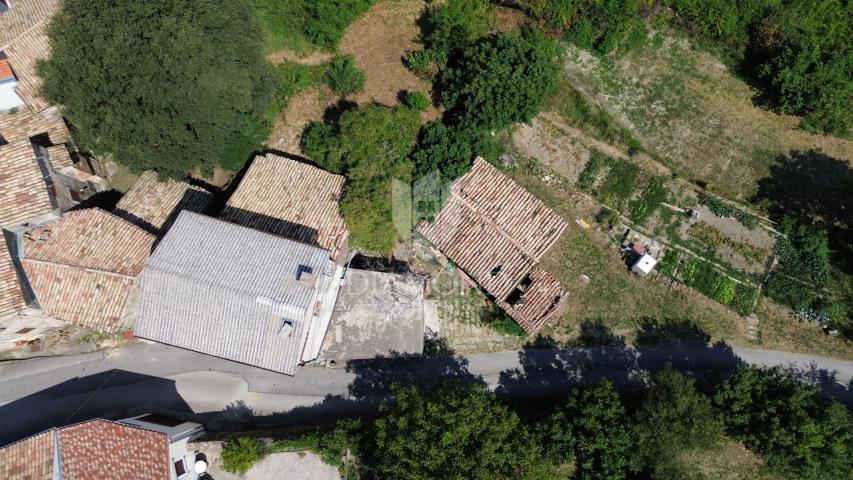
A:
x: 644, y: 265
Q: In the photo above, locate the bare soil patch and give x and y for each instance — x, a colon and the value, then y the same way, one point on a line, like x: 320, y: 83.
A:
x: 314, y: 58
x: 379, y: 41
x: 305, y: 107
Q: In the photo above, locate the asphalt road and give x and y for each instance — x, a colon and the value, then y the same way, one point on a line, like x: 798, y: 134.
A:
x: 38, y: 393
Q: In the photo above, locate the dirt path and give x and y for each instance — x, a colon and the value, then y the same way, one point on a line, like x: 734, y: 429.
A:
x: 566, y: 149
x: 315, y: 58
x: 379, y: 41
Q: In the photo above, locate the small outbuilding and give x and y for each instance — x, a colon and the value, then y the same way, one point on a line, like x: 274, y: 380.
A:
x: 644, y: 265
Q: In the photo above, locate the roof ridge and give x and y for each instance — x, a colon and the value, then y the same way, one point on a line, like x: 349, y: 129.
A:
x: 88, y: 269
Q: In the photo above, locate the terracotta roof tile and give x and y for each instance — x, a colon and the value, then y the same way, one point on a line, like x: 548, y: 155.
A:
x: 91, y: 238
x: 91, y: 298
x: 30, y: 458
x: 22, y: 17
x: 292, y: 199
x: 5, y: 70
x: 100, y: 449
x: 11, y: 297
x: 153, y: 204
x: 24, y: 53
x: 497, y: 231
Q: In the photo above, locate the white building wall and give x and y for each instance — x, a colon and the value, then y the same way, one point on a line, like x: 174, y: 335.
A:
x: 9, y: 99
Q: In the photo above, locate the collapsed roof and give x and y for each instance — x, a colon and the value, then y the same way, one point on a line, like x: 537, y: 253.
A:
x: 496, y: 231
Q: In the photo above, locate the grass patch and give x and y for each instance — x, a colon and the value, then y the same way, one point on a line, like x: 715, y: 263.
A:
x: 579, y: 112
x: 304, y: 26
x: 295, y: 78
x: 619, y: 183
x: 651, y: 198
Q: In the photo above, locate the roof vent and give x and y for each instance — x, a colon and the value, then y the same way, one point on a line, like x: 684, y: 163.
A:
x: 286, y: 329
x: 305, y: 274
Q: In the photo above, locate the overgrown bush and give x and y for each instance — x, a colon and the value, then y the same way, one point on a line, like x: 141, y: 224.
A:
x: 343, y: 77
x: 416, y: 100
x: 455, y: 24
x: 803, y: 270
x: 597, y: 161
x: 619, y: 183
x: 327, y: 20
x: 801, y: 49
x: 499, y: 320
x: 294, y: 77
x: 241, y: 453
x: 500, y: 79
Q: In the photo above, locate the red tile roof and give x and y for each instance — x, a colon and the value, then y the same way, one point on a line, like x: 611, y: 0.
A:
x: 153, y: 204
x: 5, y: 70
x: 91, y: 238
x: 292, y: 199
x: 29, y: 459
x: 11, y: 297
x: 92, y: 450
x: 83, y: 267
x: 496, y: 231
x: 99, y: 449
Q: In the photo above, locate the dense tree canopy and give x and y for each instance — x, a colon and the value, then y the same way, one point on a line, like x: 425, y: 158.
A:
x: 500, y: 79
x: 799, y: 434
x: 673, y: 418
x: 164, y: 85
x: 451, y: 431
x: 593, y: 429
x: 456, y: 23
x: 370, y: 146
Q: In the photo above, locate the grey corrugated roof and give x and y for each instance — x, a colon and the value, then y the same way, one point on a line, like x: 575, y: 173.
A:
x: 224, y: 290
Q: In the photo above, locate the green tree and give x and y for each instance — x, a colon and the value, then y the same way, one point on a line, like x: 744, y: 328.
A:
x: 786, y: 422
x: 803, y: 269
x: 241, y: 453
x: 159, y: 85
x: 456, y: 24
x: 370, y: 147
x: 500, y: 79
x: 451, y: 149
x: 673, y: 418
x: 593, y: 429
x: 450, y: 431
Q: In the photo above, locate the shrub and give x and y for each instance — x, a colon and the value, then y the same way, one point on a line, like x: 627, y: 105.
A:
x: 179, y: 106
x: 456, y: 23
x: 500, y: 79
x: 424, y: 63
x: 343, y: 77
x: 241, y: 453
x: 416, y: 100
x: 499, y: 320
x: 327, y: 20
